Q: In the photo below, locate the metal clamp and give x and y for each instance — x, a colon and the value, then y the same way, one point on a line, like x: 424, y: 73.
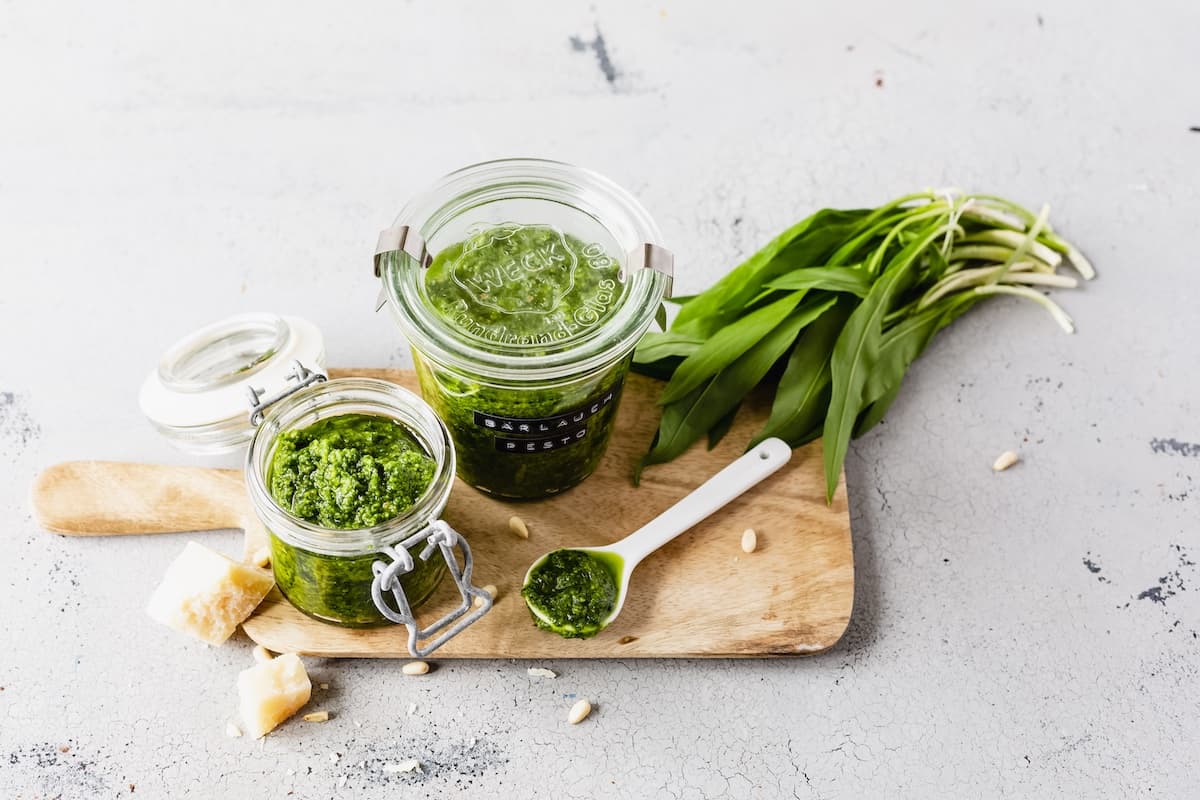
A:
x: 400, y: 239
x: 301, y: 375
x: 652, y: 256
x: 437, y: 536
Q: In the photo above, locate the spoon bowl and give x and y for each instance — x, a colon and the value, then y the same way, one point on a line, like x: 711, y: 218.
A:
x: 617, y: 567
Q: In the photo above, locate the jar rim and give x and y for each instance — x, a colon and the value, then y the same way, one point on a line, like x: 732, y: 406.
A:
x: 335, y: 398
x: 612, y: 207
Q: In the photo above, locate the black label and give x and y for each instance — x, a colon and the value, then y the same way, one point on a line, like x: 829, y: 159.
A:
x: 543, y: 434
x: 545, y: 445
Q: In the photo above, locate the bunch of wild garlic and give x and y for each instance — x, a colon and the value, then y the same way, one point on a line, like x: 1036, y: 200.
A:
x: 844, y: 301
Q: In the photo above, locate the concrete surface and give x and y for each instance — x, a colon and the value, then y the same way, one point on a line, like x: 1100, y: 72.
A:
x: 1032, y: 634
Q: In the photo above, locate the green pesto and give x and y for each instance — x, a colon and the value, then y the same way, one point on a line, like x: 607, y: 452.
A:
x: 346, y: 472
x: 520, y: 476
x: 529, y: 289
x: 349, y: 471
x: 337, y: 589
x: 574, y: 590
x: 529, y: 286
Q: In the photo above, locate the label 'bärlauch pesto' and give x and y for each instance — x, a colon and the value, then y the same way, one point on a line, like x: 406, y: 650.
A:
x: 347, y: 472
x: 529, y: 288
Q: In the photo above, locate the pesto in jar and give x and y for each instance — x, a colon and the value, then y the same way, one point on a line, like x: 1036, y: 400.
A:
x: 530, y: 289
x: 343, y: 473
x: 571, y: 592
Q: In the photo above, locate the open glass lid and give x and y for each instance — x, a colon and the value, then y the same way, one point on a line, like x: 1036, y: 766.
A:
x: 202, y: 393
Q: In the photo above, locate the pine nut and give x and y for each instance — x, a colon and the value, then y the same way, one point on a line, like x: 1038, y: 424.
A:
x: 232, y: 731
x: 1006, y: 460
x: 518, y: 526
x: 749, y: 540
x: 262, y: 654
x: 579, y: 712
x: 317, y: 716
x: 541, y: 672
x: 415, y: 668
x: 261, y: 557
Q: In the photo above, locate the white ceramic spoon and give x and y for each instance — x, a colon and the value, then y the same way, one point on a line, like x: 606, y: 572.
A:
x: 623, y: 557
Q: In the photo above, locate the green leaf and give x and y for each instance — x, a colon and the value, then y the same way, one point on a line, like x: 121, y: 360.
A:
x: 656, y: 346
x: 660, y: 316
x: 803, y: 393
x: 868, y: 230
x: 717, y: 432
x: 726, y: 345
x: 829, y: 279
x: 856, y: 352
x: 659, y: 370
x: 805, y: 244
x: 873, y: 413
x: 938, y: 265
x: 704, y: 407
x: 899, y: 348
x: 674, y: 434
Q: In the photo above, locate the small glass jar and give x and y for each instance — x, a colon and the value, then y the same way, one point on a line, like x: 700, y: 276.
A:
x: 523, y: 287
x: 328, y: 573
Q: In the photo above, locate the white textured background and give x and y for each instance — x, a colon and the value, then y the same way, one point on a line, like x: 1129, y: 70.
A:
x: 1032, y: 634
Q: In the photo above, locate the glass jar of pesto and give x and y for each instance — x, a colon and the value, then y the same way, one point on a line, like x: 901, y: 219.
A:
x: 523, y: 286
x: 348, y: 475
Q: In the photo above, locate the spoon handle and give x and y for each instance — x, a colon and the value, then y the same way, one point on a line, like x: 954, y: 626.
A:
x: 756, y: 465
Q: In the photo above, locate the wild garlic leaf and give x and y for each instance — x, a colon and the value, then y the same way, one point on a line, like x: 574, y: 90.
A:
x: 656, y: 346
x: 683, y: 422
x: 805, y: 244
x: 661, y: 370
x: 802, y: 396
x: 829, y: 279
x: 726, y: 345
x: 898, y: 349
x: 856, y: 354
x: 660, y: 316
x: 672, y: 437
x: 717, y: 432
x: 872, y: 413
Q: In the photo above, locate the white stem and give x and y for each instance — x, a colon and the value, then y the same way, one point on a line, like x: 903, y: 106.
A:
x: 1079, y: 261
x: 963, y: 278
x: 990, y: 215
x: 990, y: 252
x: 1059, y: 315
x: 1013, y: 240
x: 1040, y: 279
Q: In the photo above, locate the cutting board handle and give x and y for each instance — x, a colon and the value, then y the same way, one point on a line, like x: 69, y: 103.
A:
x: 105, y: 498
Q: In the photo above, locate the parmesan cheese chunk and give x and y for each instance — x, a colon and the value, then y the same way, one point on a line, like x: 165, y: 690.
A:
x: 207, y: 594
x: 270, y: 692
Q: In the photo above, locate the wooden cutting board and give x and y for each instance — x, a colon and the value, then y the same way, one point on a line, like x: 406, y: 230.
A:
x: 700, y: 596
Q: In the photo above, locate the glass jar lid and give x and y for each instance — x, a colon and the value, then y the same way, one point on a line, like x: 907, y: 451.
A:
x: 524, y: 267
x: 199, y: 395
